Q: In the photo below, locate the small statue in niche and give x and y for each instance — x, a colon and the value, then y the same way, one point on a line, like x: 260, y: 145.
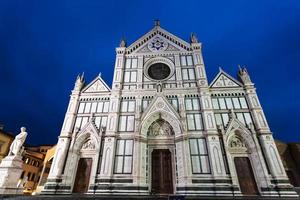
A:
x: 159, y: 87
x: 16, y: 148
x: 103, y: 129
x: 166, y: 129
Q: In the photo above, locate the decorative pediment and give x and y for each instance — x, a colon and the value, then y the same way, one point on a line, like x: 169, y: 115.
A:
x: 143, y: 49
x: 172, y: 48
x: 87, y: 138
x: 88, y: 128
x: 97, y: 85
x: 160, y: 109
x: 159, y: 104
x: 158, y: 40
x: 236, y: 130
x: 224, y: 80
x: 235, y: 124
x: 158, y: 44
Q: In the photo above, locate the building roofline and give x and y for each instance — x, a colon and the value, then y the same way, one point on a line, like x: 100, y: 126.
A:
x: 7, y: 133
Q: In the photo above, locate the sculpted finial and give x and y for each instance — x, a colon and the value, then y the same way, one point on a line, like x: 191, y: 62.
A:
x: 244, y: 76
x: 123, y: 43
x: 79, y: 82
x: 194, y: 38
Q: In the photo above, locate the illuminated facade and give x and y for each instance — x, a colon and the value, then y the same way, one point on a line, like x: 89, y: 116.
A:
x: 163, y: 129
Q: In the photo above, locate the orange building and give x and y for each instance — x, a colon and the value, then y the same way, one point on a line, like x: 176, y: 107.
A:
x: 46, y: 168
x: 34, y: 167
x: 5, y: 142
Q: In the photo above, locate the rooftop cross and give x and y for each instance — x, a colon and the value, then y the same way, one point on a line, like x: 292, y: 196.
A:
x: 157, y: 22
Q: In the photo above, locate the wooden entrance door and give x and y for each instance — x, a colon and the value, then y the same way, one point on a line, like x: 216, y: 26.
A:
x: 82, y: 179
x: 162, y: 182
x: 245, y: 176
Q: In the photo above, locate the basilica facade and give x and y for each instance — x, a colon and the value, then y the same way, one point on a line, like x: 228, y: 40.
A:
x: 162, y: 128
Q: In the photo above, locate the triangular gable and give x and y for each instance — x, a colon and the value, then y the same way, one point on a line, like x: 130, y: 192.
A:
x: 97, y: 85
x: 246, y: 134
x: 169, y: 47
x: 224, y: 80
x: 173, y: 42
x: 89, y: 127
x: 160, y: 103
x: 234, y: 123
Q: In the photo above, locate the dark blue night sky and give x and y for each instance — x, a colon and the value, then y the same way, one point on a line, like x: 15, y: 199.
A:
x: 45, y: 44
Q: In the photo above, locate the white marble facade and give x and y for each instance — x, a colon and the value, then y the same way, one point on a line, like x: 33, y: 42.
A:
x: 161, y: 99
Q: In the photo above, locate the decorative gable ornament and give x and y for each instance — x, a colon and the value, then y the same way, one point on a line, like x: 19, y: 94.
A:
x: 144, y: 49
x: 224, y: 80
x: 97, y: 85
x: 157, y: 40
x: 157, y: 44
x: 160, y: 104
x: 172, y: 48
x: 244, y: 76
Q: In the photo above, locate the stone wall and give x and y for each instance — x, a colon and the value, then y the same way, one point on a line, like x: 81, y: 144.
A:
x: 290, y: 155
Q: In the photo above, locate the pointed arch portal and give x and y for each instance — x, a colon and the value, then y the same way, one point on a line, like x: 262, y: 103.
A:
x: 161, y: 144
x: 84, y: 158
x: 243, y: 153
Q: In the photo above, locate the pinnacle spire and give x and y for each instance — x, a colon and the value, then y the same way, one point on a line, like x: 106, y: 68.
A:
x: 79, y: 81
x: 194, y: 38
x: 123, y: 42
x: 82, y: 77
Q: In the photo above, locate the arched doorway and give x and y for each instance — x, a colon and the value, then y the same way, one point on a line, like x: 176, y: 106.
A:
x: 245, y: 176
x: 82, y: 179
x: 162, y: 182
x: 243, y: 167
x: 161, y: 146
x: 82, y: 162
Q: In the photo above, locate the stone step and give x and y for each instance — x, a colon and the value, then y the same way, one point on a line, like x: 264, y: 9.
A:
x: 131, y: 197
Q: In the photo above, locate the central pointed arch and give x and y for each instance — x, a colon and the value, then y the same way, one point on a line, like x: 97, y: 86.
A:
x: 160, y: 127
x: 160, y: 108
x: 161, y: 115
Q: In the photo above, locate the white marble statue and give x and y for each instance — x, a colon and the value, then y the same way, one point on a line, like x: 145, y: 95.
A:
x: 17, y: 144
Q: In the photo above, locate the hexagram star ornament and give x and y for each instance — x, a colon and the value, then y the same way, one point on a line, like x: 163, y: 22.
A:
x: 157, y: 44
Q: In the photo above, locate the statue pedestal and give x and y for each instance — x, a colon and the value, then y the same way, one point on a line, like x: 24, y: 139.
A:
x: 11, y: 169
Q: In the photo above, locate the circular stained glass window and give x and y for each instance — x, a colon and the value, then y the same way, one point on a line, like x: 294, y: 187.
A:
x: 159, y: 71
